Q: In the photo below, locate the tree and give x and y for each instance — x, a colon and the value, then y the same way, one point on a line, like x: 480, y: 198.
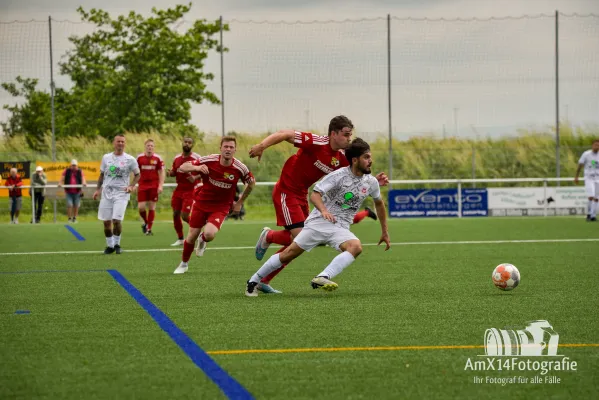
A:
x: 130, y: 74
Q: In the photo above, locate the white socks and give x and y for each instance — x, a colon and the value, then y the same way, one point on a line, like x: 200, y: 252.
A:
x: 593, y: 209
x: 338, y: 264
x: 117, y: 240
x: 109, y: 242
x: 273, y: 263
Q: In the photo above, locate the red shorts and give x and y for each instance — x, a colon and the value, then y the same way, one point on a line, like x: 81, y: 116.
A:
x: 290, y: 208
x: 146, y: 194
x: 198, y: 218
x: 182, y: 202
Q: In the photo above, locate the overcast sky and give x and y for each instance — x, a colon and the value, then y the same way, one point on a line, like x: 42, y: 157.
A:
x: 481, y: 77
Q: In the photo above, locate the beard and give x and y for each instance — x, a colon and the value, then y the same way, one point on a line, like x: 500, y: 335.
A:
x: 186, y: 149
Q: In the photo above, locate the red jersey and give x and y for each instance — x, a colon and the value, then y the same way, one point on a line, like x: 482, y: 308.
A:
x: 183, y: 185
x: 10, y: 181
x: 149, y: 167
x: 314, y: 159
x: 218, y: 192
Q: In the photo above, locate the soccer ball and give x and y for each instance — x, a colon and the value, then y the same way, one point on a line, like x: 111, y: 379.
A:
x: 506, y: 276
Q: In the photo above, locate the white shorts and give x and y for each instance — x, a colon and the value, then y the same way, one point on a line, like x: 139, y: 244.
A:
x: 112, y: 209
x: 320, y: 231
x: 592, y: 188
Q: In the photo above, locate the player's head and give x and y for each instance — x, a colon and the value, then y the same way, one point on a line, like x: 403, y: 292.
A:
x: 149, y: 145
x: 595, y: 146
x: 340, y: 131
x: 228, y: 145
x: 358, y: 155
x: 13, y: 172
x: 187, y: 144
x: 119, y: 143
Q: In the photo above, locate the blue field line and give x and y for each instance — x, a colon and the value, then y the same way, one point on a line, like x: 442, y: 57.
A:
x: 42, y: 271
x: 227, y: 384
x: 75, y: 233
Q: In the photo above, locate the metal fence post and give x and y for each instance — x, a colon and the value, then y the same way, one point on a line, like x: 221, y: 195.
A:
x: 52, y: 90
x: 389, y: 98
x: 557, y: 123
x: 222, y: 79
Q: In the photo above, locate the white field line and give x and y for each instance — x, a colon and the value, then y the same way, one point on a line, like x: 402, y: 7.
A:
x: 470, y: 242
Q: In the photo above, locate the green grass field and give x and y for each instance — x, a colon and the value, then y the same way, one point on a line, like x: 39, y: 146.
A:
x: 86, y: 337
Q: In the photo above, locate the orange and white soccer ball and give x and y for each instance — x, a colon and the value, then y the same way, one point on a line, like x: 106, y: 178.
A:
x: 506, y: 276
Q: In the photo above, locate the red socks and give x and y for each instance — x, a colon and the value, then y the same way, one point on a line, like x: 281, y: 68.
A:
x: 143, y: 216
x: 178, y: 227
x: 360, y: 215
x: 151, y: 215
x: 187, y: 250
x: 279, y: 237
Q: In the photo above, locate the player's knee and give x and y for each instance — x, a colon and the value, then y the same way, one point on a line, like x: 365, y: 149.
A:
x: 209, y: 236
x: 355, y: 249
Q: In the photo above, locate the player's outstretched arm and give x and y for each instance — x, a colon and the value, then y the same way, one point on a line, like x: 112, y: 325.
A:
x: 316, y: 199
x: 287, y: 135
x: 246, y: 192
x: 131, y: 187
x: 381, y: 212
x: 578, y: 172
x: 99, y: 186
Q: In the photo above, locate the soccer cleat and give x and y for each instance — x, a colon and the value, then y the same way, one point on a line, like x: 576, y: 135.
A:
x: 593, y: 219
x: 109, y: 250
x: 588, y: 217
x: 200, y: 247
x: 144, y: 228
x: 182, y: 268
x: 250, y: 289
x: 371, y: 214
x: 179, y: 242
x: 266, y: 288
x: 324, y: 283
x: 117, y: 249
x: 262, y: 244
x: 149, y: 233
x: 74, y: 220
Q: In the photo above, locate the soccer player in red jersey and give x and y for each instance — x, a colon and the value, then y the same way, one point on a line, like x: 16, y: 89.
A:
x: 151, y: 168
x: 183, y: 195
x: 216, y: 198
x: 317, y: 156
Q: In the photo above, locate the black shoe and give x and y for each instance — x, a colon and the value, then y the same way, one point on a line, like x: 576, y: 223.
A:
x: 109, y: 250
x: 371, y: 214
x: 144, y: 228
x: 117, y: 249
x: 588, y: 217
x: 250, y: 289
x: 594, y: 219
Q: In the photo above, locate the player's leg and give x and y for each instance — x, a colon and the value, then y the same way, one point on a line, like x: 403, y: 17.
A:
x: 284, y: 218
x: 142, y: 199
x: 151, y: 203
x: 197, y: 220
x: 366, y: 212
x: 118, y: 214
x: 213, y: 224
x: 177, y: 206
x: 595, y: 203
x: 272, y: 264
x: 265, y: 282
x: 350, y: 247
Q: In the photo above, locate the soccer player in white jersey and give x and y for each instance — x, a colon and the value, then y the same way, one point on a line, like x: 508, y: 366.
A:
x: 337, y: 199
x: 590, y: 162
x: 115, y: 171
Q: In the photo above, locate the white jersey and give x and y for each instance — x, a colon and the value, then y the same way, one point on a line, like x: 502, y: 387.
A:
x: 117, y: 171
x: 590, y: 161
x: 343, y: 194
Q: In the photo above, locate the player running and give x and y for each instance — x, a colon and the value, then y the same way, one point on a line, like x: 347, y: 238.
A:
x: 316, y: 157
x: 183, y: 195
x: 214, y: 200
x: 115, y: 171
x: 337, y: 199
x: 151, y: 182
x: 590, y: 161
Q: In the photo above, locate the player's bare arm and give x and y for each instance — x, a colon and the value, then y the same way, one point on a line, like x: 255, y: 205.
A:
x: 382, y: 178
x: 381, y: 212
x: 161, y: 177
x: 580, y: 166
x: 246, y: 192
x: 189, y: 167
x: 287, y: 135
x: 316, y: 199
x: 131, y: 187
x: 99, y: 186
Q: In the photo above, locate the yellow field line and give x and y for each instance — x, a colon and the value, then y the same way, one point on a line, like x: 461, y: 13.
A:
x: 374, y: 348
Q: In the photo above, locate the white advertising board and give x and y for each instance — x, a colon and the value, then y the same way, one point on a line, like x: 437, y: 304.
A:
x: 569, y: 200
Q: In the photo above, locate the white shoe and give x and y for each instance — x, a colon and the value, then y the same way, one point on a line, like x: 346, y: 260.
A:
x: 182, y: 268
x: 16, y: 220
x: 179, y: 242
x: 200, y: 248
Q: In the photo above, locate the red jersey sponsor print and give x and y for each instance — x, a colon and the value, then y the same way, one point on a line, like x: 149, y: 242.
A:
x: 183, y: 185
x: 314, y: 159
x: 149, y: 167
x: 218, y: 191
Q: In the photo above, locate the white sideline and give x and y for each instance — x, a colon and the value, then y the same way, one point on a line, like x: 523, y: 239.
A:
x: 363, y: 244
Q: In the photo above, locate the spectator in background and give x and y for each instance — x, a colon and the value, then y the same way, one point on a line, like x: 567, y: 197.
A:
x: 14, y: 184
x: 38, y: 181
x: 73, y: 176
